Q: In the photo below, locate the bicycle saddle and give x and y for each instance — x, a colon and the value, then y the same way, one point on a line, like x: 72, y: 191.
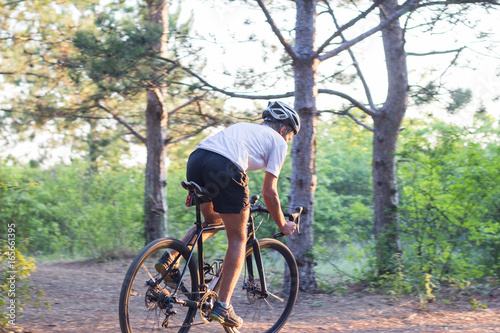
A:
x: 192, y: 187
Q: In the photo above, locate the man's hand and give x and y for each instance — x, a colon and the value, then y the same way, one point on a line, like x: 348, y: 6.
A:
x: 288, y: 228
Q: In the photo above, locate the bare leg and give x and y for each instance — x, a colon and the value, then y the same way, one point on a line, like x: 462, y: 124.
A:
x: 235, y: 254
x: 211, y: 218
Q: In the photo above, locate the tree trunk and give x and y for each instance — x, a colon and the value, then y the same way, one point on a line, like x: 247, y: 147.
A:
x: 387, y: 122
x: 155, y: 193
x: 303, y: 180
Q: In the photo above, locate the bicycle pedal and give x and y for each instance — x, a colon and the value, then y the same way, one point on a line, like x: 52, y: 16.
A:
x: 229, y: 329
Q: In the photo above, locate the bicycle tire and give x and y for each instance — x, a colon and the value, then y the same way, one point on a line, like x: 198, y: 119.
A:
x: 282, y: 278
x: 140, y: 307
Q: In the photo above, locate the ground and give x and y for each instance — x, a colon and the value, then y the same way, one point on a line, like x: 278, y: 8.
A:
x: 84, y: 299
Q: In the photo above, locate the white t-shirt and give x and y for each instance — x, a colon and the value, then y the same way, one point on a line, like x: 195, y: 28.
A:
x: 249, y: 146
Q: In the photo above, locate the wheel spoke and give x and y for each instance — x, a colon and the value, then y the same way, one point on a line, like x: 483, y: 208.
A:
x: 151, y: 307
x: 147, y: 271
x: 281, y: 299
x: 269, y: 313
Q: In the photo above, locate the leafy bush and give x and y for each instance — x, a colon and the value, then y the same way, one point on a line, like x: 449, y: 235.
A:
x: 16, y: 288
x: 15, y: 269
x: 450, y: 201
x: 75, y: 212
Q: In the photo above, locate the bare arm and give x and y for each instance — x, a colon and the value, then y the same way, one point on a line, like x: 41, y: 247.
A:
x: 272, y: 201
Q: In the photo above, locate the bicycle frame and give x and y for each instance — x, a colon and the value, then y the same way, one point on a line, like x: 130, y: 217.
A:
x: 203, y: 293
x: 197, y: 239
x: 191, y: 287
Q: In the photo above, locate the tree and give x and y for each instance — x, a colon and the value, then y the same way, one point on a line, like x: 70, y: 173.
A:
x: 386, y: 125
x: 105, y: 66
x: 155, y: 201
x: 306, y: 58
x: 387, y: 121
x: 153, y: 71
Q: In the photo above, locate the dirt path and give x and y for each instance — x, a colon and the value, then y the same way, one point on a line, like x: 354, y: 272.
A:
x: 84, y: 299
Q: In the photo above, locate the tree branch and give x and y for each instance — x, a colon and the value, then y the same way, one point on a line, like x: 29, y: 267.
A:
x: 407, y: 6
x: 345, y: 26
x: 354, y: 102
x: 277, y: 32
x: 27, y: 73
x: 170, y: 141
x: 225, y: 92
x: 347, y: 113
x: 354, y: 61
x: 451, y: 63
x: 123, y: 122
x: 456, y: 2
x: 197, y: 98
x: 359, y: 122
x: 435, y: 52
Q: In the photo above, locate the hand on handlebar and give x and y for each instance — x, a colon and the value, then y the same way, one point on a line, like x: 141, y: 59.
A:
x: 294, y: 219
x: 288, y: 228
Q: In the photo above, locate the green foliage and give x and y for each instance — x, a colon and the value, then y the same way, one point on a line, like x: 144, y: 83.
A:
x: 431, y: 93
x: 424, y: 95
x: 75, y: 212
x: 15, y: 268
x: 459, y: 98
x: 395, y: 283
x: 450, y: 194
x: 450, y: 218
x: 16, y: 288
x: 180, y: 217
x: 343, y: 204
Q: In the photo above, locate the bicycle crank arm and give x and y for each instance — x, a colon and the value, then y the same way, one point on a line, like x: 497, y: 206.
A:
x: 228, y: 329
x: 189, y: 303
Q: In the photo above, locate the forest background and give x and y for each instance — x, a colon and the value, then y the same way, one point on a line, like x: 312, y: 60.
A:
x: 88, y: 202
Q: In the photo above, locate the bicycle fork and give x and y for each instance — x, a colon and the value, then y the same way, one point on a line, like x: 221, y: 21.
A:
x: 250, y: 286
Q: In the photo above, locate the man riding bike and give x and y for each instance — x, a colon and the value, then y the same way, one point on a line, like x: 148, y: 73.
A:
x: 219, y: 164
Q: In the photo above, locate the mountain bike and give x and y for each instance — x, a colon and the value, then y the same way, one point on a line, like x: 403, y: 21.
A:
x: 264, y: 297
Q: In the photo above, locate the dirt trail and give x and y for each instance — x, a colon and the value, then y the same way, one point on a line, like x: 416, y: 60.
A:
x: 84, y: 299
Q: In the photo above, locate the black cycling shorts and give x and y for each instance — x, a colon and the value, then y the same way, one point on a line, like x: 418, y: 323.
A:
x: 227, y: 184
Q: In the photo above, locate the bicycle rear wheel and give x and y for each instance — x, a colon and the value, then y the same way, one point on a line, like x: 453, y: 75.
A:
x: 269, y: 313
x: 146, y: 308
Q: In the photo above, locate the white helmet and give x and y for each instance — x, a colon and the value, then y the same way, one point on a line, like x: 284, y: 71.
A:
x: 279, y: 111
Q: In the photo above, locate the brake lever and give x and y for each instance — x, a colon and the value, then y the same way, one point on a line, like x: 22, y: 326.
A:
x: 294, y: 217
x: 254, y: 199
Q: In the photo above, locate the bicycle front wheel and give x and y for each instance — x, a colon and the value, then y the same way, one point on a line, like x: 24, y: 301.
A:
x: 146, y: 306
x: 267, y: 313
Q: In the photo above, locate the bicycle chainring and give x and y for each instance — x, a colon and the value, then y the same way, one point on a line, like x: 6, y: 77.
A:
x: 207, y: 304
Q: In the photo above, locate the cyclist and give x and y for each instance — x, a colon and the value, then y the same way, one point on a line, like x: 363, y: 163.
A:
x: 219, y: 164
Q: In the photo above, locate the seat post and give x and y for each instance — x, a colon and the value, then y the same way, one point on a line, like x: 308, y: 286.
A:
x: 198, y: 209
x: 201, y: 259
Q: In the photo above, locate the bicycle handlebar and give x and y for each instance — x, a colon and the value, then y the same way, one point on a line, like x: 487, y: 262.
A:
x: 295, y: 218
x: 292, y: 216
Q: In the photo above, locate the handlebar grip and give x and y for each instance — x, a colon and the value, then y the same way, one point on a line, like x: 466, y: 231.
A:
x: 294, y: 217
